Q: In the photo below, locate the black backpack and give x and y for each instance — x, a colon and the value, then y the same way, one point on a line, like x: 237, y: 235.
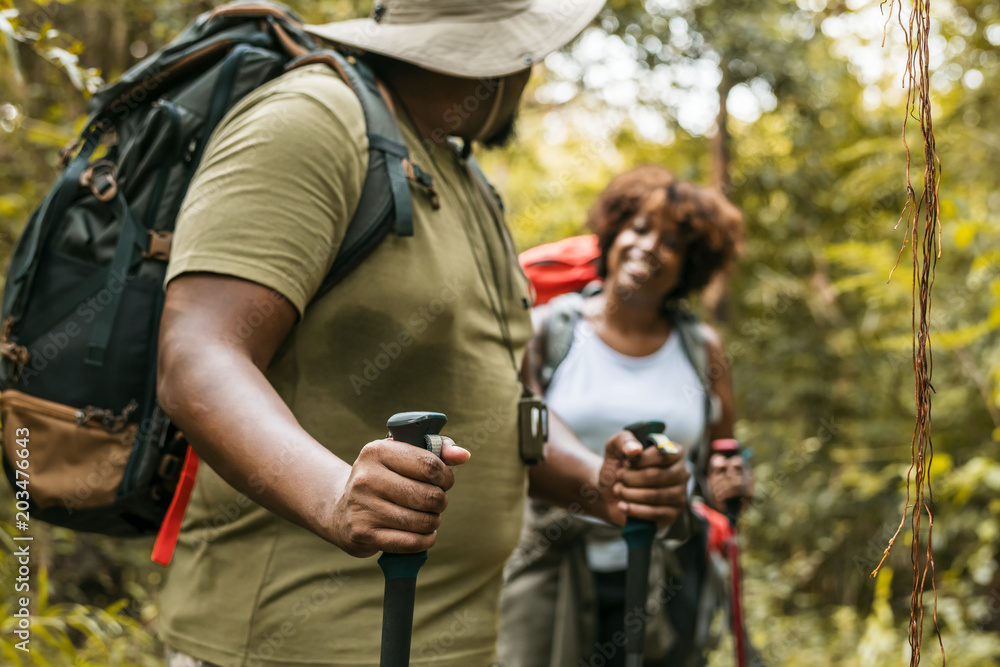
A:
x: 85, y: 445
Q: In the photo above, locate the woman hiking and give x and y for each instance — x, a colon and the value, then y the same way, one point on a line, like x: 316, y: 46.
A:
x: 630, y: 352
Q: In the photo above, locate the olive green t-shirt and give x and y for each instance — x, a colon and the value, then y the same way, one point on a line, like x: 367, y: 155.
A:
x: 411, y: 328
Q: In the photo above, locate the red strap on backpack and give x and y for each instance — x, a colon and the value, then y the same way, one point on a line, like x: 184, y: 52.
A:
x: 170, y: 529
x: 562, y: 266
x: 719, y: 530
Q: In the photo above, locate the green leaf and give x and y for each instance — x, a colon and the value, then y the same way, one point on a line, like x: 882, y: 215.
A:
x: 965, y: 336
x: 43, y: 588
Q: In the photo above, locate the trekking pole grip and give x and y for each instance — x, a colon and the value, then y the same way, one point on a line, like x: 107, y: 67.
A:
x: 419, y: 429
x: 639, y: 533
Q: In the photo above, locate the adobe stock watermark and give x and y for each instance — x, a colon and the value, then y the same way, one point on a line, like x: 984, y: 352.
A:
x: 263, y: 309
x: 102, y: 472
x: 789, y: 464
x: 48, y: 349
x: 460, y: 112
x: 229, y: 511
x: 105, y: 471
x: 558, y: 523
x: 416, y: 324
x: 603, y: 654
x: 875, y: 549
x: 226, y: 514
x: 495, y: 420
x: 984, y: 621
x: 21, y: 464
x: 268, y: 644
x: 205, y: 193
x: 461, y: 623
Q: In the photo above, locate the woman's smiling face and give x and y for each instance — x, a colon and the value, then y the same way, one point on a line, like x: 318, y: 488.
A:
x: 647, y: 256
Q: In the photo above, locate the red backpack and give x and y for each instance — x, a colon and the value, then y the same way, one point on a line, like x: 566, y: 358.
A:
x: 561, y: 266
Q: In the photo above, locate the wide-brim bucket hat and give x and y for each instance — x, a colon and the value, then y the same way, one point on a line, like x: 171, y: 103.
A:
x: 465, y: 38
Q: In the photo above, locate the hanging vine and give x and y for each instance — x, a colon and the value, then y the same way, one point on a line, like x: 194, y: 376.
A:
x: 923, y: 233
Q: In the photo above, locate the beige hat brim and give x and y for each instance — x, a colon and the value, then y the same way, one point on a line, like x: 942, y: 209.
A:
x: 470, y: 49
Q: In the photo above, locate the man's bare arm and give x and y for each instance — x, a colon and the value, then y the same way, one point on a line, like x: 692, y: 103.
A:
x: 212, y: 385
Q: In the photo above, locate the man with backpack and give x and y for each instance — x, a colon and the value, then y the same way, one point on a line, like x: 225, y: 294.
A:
x: 278, y: 391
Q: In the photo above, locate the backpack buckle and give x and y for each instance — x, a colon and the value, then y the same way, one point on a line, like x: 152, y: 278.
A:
x: 170, y: 468
x: 100, y: 178
x: 417, y: 175
x: 159, y: 245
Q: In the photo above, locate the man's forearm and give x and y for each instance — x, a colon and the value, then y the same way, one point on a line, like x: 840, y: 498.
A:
x: 239, y: 425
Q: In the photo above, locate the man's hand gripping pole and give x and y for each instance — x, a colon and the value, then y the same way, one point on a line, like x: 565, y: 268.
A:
x: 419, y: 429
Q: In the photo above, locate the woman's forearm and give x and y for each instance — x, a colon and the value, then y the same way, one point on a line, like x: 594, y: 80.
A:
x: 568, y: 477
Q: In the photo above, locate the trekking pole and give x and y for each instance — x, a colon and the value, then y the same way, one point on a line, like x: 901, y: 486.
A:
x: 639, y: 534
x: 729, y: 448
x: 419, y: 429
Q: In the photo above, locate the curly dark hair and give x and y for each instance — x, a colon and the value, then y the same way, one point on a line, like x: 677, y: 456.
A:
x: 711, y: 227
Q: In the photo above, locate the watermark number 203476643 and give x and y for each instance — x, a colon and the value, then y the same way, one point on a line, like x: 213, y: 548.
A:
x: 22, y: 554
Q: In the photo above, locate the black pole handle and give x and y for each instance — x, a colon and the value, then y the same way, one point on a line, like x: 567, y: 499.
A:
x: 649, y: 434
x: 638, y: 535
x: 419, y: 429
x: 414, y: 427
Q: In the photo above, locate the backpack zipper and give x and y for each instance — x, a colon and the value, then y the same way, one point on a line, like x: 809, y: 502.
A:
x: 89, y: 417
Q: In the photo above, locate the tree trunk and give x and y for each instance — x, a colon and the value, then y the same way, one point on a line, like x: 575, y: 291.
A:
x: 720, y: 142
x: 715, y: 295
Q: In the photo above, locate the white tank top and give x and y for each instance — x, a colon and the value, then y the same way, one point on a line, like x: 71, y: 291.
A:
x: 598, y: 391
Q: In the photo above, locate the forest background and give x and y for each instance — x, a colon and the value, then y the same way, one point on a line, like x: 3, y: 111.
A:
x: 796, y: 109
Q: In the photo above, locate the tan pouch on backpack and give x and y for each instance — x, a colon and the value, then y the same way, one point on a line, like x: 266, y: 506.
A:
x: 75, y: 459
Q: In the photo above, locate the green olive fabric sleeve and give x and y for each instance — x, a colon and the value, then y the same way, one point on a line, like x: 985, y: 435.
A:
x: 278, y: 185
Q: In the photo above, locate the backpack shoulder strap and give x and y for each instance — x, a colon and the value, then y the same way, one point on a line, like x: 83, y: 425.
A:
x: 694, y: 340
x: 694, y: 337
x: 385, y: 197
x: 564, y: 312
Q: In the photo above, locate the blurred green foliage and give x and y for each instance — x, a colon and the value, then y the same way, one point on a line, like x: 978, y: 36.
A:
x: 71, y: 633
x: 817, y: 333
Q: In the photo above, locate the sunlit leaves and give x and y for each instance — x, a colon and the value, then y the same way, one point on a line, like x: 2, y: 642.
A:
x: 8, y: 18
